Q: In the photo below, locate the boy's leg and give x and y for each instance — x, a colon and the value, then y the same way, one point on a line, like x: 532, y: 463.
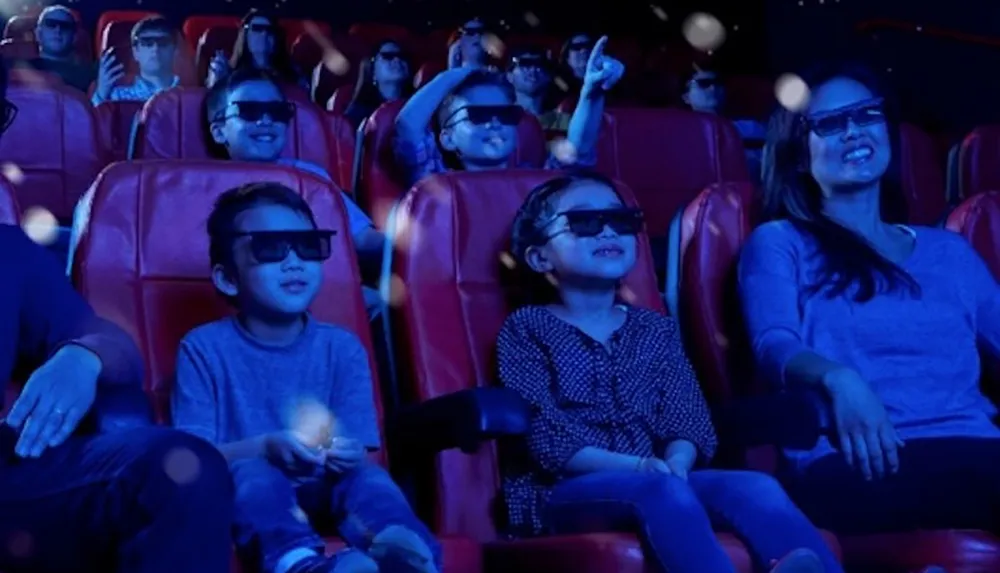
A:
x: 756, y: 508
x: 370, y: 509
x: 269, y: 527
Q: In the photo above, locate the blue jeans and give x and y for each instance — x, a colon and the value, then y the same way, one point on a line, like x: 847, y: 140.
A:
x: 149, y: 500
x: 271, y: 510
x: 675, y: 518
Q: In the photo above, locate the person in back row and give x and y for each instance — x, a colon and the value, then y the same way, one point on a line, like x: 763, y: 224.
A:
x: 704, y: 92
x: 385, y: 76
x: 56, y: 36
x: 884, y: 319
x: 260, y: 44
x: 289, y: 400
x: 530, y: 74
x: 154, y: 45
x: 249, y: 116
x: 72, y: 499
x: 477, y: 119
x: 618, y: 421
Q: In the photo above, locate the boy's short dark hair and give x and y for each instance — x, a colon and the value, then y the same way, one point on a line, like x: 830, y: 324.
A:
x: 537, y: 208
x: 222, y: 221
x: 152, y: 24
x: 476, y: 79
x: 218, y: 94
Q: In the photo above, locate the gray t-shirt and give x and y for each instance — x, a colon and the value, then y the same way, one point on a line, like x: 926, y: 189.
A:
x: 919, y: 353
x: 231, y: 386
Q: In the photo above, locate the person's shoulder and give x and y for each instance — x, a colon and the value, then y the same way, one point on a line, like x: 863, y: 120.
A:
x: 209, y: 335
x: 780, y: 233
x: 307, y: 166
x: 947, y: 243
x: 339, y: 340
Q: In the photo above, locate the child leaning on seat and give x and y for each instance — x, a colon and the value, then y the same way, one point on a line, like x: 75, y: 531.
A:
x: 618, y: 418
x: 289, y: 400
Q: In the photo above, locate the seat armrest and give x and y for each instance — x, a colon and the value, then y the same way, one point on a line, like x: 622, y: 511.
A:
x: 463, y: 420
x: 793, y: 419
x: 117, y: 409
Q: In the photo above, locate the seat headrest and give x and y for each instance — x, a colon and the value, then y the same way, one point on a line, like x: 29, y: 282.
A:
x: 978, y: 220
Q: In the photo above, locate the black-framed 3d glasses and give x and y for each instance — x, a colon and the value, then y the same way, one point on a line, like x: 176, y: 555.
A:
x: 254, y: 111
x: 592, y: 222
x: 484, y: 114
x: 275, y: 246
x: 868, y: 112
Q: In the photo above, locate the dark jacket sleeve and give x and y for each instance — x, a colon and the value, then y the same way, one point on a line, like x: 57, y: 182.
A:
x: 53, y: 315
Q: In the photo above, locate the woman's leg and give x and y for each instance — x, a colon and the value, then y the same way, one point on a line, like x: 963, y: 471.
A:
x: 941, y: 484
x: 756, y: 508
x: 662, y: 508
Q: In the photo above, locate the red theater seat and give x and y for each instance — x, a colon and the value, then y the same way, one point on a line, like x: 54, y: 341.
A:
x: 295, y: 27
x: 340, y: 99
x: 55, y: 143
x: 922, y: 174
x: 329, y: 71
x: 977, y: 161
x: 114, y: 24
x: 116, y: 122
x: 17, y: 49
x: 342, y: 138
x: 196, y: 26
x: 372, y: 32
x: 172, y: 126
x: 451, y: 230
x: 380, y: 185
x: 749, y: 97
x: 426, y: 72
x: 720, y: 219
x: 158, y: 290
x: 667, y: 156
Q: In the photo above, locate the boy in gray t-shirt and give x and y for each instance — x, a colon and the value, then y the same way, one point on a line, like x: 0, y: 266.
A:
x: 288, y: 400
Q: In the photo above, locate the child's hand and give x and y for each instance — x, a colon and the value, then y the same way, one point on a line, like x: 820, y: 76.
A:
x: 344, y: 454
x: 603, y: 72
x: 286, y: 451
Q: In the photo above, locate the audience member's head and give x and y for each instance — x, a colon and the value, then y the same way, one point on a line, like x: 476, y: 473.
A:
x: 385, y: 75
x: 838, y: 149
x: 266, y: 252
x: 248, y: 115
x: 577, y: 231
x: 56, y: 32
x: 471, y: 38
x: 478, y: 121
x: 530, y: 71
x: 575, y: 53
x: 154, y: 45
x: 703, y: 90
x: 260, y: 44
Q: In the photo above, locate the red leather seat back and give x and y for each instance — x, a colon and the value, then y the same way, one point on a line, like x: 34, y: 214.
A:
x: 33, y: 78
x: 715, y: 226
x: 194, y: 28
x: 55, y: 143
x: 10, y: 211
x: 112, y: 25
x: 295, y: 27
x: 340, y: 99
x: 426, y: 72
x: 329, y: 72
x: 452, y: 230
x: 749, y: 97
x: 21, y: 27
x: 173, y: 126
x: 922, y: 176
x: 978, y: 167
x: 18, y: 49
x: 211, y: 41
x: 667, y: 156
x: 379, y: 186
x: 342, y: 138
x: 978, y: 220
x: 143, y: 256
x: 115, y: 120
x: 371, y: 33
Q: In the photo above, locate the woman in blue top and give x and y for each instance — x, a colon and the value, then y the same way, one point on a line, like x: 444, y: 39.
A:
x: 884, y: 318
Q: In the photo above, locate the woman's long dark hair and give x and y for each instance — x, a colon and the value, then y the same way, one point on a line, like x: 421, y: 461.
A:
x: 791, y: 193
x: 281, y: 61
x: 366, y: 94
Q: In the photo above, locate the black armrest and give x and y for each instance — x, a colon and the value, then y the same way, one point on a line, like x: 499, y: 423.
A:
x: 462, y: 420
x: 117, y: 409
x: 792, y: 419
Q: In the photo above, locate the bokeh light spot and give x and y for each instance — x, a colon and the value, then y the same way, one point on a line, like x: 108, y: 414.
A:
x: 397, y: 292
x: 659, y: 12
x: 532, y: 19
x: 12, y: 173
x: 313, y: 424
x: 507, y: 260
x: 182, y: 465
x: 564, y: 151
x: 40, y: 225
x: 704, y: 31
x: 792, y: 92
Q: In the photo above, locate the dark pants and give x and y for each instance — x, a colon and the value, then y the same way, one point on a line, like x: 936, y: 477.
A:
x: 273, y: 512
x: 675, y: 518
x: 942, y: 484
x: 150, y: 500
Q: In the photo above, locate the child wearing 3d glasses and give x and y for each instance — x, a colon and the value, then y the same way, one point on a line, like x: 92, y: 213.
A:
x: 477, y: 116
x: 618, y: 421
x: 288, y: 400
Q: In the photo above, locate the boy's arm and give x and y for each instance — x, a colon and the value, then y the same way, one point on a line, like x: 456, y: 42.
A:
x: 603, y: 72
x: 415, y: 117
x: 352, y: 397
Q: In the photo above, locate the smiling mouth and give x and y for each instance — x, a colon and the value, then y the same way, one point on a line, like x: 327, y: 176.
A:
x: 609, y: 252
x: 858, y: 154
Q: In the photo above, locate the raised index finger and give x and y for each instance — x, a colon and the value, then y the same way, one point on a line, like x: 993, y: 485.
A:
x: 597, y: 52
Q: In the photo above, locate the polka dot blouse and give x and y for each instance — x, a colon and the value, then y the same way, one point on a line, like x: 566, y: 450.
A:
x: 633, y: 396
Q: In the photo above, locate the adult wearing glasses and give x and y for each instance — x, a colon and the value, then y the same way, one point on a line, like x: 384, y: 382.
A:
x: 85, y: 484
x: 260, y: 45
x: 154, y: 47
x: 385, y: 76
x: 55, y: 33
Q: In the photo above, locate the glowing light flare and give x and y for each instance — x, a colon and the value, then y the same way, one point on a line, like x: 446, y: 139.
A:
x: 507, y: 260
x: 182, y: 465
x: 704, y: 31
x: 658, y: 12
x: 40, y: 225
x: 532, y: 19
x: 313, y: 424
x: 12, y: 173
x: 792, y: 92
x: 564, y: 151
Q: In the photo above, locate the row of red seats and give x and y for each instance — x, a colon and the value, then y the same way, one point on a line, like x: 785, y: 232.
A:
x: 665, y: 155
x: 158, y: 290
